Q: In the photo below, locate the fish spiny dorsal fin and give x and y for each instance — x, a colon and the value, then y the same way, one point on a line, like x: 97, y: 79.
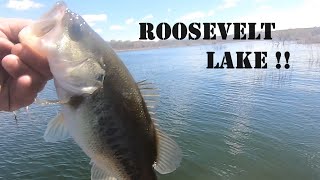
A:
x: 150, y: 95
x: 98, y: 174
x: 146, y: 85
x: 147, y: 89
x: 169, y: 154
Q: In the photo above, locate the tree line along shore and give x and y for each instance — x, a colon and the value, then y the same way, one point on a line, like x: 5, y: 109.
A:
x: 299, y: 35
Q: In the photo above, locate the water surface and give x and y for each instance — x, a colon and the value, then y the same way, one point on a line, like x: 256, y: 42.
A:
x: 232, y: 124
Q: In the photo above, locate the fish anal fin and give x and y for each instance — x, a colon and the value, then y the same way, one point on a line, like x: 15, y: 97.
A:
x: 56, y: 130
x: 99, y: 174
x: 169, y: 154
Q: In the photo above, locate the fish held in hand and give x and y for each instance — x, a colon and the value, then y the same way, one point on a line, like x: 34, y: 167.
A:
x: 103, y: 109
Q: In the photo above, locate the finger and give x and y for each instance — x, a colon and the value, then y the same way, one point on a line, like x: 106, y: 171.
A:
x: 20, y: 90
x: 14, y: 66
x: 11, y: 27
x: 3, y: 77
x: 4, y: 97
x: 32, y: 60
x: 23, y: 92
x: 5, y: 45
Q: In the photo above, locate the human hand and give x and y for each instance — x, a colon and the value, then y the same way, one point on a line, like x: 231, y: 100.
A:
x: 22, y: 73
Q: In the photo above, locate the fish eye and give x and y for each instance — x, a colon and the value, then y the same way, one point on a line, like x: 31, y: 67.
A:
x: 75, y: 31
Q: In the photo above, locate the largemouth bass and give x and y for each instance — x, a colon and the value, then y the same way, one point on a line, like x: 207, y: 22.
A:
x: 103, y: 109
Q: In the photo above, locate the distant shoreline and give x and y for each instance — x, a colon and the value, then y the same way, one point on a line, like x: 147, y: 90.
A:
x: 299, y: 35
x: 150, y: 48
x: 137, y: 49
x: 172, y: 46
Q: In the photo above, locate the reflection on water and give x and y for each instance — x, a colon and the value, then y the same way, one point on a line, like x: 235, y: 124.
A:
x: 232, y: 124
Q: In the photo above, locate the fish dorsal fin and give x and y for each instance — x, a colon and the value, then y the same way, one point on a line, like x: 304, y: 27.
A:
x: 56, y: 130
x: 169, y: 154
x: 150, y: 95
x: 147, y: 89
x: 99, y: 174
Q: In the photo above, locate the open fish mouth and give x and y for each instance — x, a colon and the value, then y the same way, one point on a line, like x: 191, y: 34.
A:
x: 59, y: 8
x: 49, y: 25
x: 49, y: 20
x: 43, y: 27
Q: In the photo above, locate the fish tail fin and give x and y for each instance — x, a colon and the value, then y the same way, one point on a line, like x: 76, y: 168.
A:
x: 169, y: 154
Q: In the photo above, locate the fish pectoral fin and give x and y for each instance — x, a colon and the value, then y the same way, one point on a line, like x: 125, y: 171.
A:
x: 169, y: 154
x: 56, y: 130
x: 100, y: 174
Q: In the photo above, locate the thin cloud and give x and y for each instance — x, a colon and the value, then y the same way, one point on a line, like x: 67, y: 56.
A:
x: 193, y: 16
x: 130, y: 21
x: 92, y: 19
x: 228, y: 4
x: 264, y: 8
x: 23, y: 4
x: 116, y: 28
x: 260, y: 1
x: 210, y: 13
x: 147, y: 17
x: 98, y: 30
x: 299, y: 16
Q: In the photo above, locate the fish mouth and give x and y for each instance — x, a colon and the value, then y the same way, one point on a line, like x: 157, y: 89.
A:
x: 46, y: 28
x: 59, y: 8
x: 50, y: 19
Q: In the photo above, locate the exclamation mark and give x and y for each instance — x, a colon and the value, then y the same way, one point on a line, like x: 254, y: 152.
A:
x: 278, y: 55
x: 287, y: 55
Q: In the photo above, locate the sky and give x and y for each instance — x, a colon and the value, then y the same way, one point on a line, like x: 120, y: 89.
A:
x: 119, y: 20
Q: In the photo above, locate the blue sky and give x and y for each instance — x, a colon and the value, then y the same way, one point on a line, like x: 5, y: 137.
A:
x: 119, y: 19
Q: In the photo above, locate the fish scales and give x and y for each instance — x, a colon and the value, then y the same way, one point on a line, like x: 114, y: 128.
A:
x: 123, y: 145
x: 103, y: 109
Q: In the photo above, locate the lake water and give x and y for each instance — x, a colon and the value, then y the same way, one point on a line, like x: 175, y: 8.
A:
x: 232, y: 124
